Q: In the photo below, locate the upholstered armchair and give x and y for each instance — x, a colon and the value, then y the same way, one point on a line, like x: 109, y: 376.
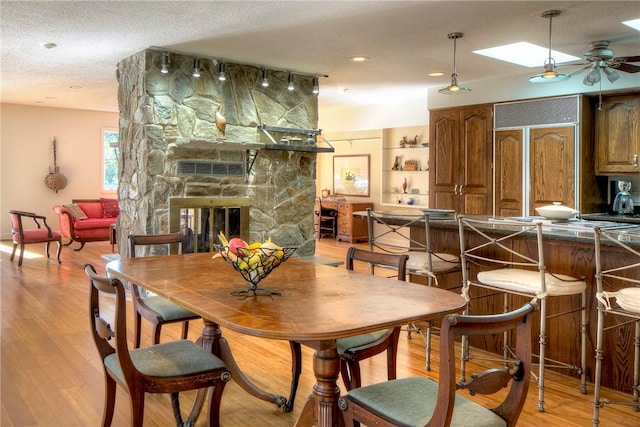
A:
x: 22, y: 235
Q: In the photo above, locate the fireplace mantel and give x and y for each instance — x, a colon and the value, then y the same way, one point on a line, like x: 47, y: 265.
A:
x: 218, y: 144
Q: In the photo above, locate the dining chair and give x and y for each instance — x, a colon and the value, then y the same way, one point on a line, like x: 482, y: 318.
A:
x: 352, y: 350
x: 22, y: 235
x: 394, y: 237
x: 507, y: 258
x: 619, y: 282
x: 171, y: 367
x: 421, y: 401
x: 156, y: 309
x: 328, y: 220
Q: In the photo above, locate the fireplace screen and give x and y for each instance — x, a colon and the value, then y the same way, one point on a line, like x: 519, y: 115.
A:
x: 202, y: 219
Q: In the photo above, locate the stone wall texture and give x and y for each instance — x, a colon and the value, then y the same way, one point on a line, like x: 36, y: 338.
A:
x: 169, y: 117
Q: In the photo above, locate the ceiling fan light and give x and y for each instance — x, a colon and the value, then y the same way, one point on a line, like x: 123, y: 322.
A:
x: 592, y: 77
x: 612, y: 75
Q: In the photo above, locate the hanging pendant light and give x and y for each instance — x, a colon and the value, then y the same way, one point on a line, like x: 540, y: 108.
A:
x: 549, y: 75
x: 454, y: 87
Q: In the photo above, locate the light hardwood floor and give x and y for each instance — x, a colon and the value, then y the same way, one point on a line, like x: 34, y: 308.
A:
x: 51, y: 374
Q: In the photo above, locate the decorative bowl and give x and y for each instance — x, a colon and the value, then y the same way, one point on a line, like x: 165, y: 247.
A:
x: 255, y: 264
x: 556, y: 211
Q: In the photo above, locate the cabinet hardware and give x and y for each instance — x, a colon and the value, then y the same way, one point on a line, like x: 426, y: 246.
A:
x: 635, y: 161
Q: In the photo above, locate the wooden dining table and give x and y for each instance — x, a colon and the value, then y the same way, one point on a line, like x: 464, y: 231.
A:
x: 315, y: 305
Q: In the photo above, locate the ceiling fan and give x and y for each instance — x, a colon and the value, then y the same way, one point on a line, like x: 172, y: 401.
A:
x: 600, y: 57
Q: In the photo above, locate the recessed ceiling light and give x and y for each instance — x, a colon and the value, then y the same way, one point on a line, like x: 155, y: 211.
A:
x: 634, y: 23
x: 75, y: 87
x: 525, y: 54
x: 436, y: 74
x: 49, y: 45
x: 359, y: 58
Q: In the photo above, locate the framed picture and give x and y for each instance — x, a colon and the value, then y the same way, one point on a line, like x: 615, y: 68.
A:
x: 351, y: 175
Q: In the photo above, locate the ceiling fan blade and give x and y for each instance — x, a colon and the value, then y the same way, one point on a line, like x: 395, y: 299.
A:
x: 580, y: 70
x: 626, y: 59
x: 627, y: 68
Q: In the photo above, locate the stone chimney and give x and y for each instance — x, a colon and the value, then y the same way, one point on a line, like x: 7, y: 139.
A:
x: 169, y: 118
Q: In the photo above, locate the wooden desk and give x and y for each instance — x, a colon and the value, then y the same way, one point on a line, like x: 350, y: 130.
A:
x: 318, y: 305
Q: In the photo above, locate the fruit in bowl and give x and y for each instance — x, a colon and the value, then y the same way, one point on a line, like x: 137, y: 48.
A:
x: 253, y: 261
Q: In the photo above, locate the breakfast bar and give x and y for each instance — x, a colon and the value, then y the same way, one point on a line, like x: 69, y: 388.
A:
x: 569, y: 249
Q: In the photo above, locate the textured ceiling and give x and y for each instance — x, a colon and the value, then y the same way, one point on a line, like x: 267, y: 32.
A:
x: 404, y: 39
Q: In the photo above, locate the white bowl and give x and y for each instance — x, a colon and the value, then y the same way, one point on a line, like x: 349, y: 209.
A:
x: 556, y: 211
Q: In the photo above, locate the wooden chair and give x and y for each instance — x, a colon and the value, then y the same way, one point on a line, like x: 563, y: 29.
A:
x: 505, y: 264
x: 20, y: 235
x: 354, y: 349
x: 164, y: 368
x: 423, y: 260
x: 155, y: 309
x: 328, y: 220
x: 421, y: 401
x: 625, y: 278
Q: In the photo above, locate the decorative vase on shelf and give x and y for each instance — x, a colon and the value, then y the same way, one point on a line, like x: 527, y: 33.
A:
x: 404, y: 186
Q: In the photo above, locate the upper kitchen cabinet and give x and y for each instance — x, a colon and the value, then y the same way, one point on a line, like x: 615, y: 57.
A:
x: 460, y: 152
x: 405, y: 167
x: 618, y: 135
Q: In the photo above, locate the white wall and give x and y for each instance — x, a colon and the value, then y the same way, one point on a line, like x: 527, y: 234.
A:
x: 26, y: 153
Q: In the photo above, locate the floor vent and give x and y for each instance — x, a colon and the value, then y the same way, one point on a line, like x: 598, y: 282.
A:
x: 186, y: 167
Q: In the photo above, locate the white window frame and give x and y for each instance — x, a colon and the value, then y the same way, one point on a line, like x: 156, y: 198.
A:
x: 108, y: 184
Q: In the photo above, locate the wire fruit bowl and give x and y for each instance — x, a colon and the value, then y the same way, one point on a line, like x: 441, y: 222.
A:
x: 255, y: 264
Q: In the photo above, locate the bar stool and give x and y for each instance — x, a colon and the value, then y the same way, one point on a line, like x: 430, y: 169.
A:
x: 624, y: 312
x: 510, y: 266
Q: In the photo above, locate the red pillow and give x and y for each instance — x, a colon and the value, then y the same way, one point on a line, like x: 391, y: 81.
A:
x: 110, y: 208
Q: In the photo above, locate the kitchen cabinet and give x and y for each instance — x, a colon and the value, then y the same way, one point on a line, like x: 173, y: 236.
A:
x: 618, y: 135
x: 543, y: 154
x: 460, y: 153
x: 352, y: 229
x: 405, y: 156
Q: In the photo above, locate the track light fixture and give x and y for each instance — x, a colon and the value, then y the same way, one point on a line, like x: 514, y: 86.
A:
x: 164, y: 68
x: 454, y: 87
x: 550, y: 75
x: 290, y: 85
x: 316, y: 86
x: 196, y: 67
x: 221, y: 75
x: 265, y: 78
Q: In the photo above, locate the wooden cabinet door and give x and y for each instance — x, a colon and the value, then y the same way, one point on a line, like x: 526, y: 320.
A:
x: 444, y: 174
x: 551, y: 166
x: 509, y: 172
x: 476, y: 154
x: 618, y: 135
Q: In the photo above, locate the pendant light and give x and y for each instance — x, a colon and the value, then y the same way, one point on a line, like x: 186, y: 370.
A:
x: 550, y: 75
x: 454, y: 87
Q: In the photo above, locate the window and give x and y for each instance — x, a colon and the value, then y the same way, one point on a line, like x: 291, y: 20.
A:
x: 110, y: 152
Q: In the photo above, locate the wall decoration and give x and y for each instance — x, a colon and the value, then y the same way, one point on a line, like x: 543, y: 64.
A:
x: 55, y: 180
x: 351, y: 175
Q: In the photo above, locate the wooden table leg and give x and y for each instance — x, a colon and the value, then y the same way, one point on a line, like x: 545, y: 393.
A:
x: 321, y: 408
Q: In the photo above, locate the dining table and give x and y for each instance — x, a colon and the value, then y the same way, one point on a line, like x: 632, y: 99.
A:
x: 309, y: 303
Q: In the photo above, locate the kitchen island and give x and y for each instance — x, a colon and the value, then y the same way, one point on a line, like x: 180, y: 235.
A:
x: 569, y: 249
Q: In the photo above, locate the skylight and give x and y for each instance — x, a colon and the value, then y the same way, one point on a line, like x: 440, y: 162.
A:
x: 525, y: 54
x: 635, y: 24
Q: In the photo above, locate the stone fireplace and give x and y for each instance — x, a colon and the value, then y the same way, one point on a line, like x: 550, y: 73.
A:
x: 171, y: 120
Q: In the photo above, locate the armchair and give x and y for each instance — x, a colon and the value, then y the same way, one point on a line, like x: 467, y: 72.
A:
x: 24, y: 236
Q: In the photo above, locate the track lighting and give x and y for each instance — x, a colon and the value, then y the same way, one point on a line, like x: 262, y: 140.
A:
x: 290, y: 85
x: 196, y: 67
x: 316, y: 87
x: 454, y: 87
x: 265, y: 78
x: 221, y: 75
x: 550, y: 75
x: 164, y: 68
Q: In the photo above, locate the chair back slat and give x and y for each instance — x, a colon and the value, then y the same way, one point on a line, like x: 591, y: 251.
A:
x: 396, y: 261
x: 148, y: 240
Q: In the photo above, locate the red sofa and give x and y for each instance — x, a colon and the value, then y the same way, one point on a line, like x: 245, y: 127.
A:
x: 87, y: 220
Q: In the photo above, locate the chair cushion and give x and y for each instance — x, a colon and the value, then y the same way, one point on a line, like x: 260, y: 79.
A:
x: 170, y: 359
x: 528, y: 281
x: 36, y: 236
x: 345, y: 344
x: 419, y: 261
x: 76, y: 211
x: 629, y: 299
x: 166, y: 309
x: 411, y: 402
